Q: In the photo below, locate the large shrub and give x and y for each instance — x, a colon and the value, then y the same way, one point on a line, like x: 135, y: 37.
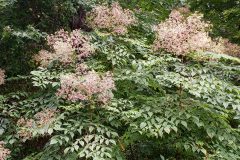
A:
x: 99, y: 95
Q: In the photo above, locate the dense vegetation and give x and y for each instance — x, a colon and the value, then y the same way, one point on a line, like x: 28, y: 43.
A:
x: 125, y: 80
x: 223, y: 14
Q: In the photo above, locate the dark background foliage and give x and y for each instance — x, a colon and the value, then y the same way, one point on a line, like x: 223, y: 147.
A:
x: 223, y: 14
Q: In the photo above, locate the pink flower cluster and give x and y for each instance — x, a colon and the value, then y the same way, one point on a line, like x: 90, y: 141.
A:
x: 26, y: 125
x: 114, y: 18
x: 59, y: 36
x: 79, y: 42
x: 63, y: 52
x: 226, y: 47
x: 45, y: 117
x: 4, y: 152
x: 181, y: 35
x: 86, y: 87
x: 40, y: 120
x: 64, y: 45
x: 82, y: 85
x: 184, y: 10
x: 81, y: 69
x: 2, y: 76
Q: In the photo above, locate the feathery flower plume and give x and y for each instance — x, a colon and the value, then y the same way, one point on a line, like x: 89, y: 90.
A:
x: 87, y: 86
x: 41, y: 119
x: 114, y: 18
x: 4, y: 152
x: 2, y: 76
x: 79, y: 42
x: 59, y: 36
x: 224, y: 46
x: 81, y: 69
x: 181, y: 35
x: 47, y: 116
x: 63, y: 52
x: 26, y: 125
x: 64, y: 46
x: 43, y: 58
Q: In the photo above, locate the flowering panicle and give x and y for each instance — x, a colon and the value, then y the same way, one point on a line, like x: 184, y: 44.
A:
x: 4, y: 152
x: 59, y: 36
x: 200, y: 41
x: 226, y: 47
x: 64, y: 45
x: 63, y: 52
x: 181, y: 35
x: 81, y: 69
x: 26, y: 125
x: 184, y: 10
x: 79, y: 42
x: 2, y: 76
x: 43, y: 58
x: 44, y: 117
x: 114, y: 18
x: 85, y: 87
x: 41, y: 119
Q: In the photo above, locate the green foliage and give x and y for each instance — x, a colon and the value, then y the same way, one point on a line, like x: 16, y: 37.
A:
x: 42, y: 78
x: 15, y: 55
x: 223, y: 14
x: 23, y: 27
x: 164, y: 106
